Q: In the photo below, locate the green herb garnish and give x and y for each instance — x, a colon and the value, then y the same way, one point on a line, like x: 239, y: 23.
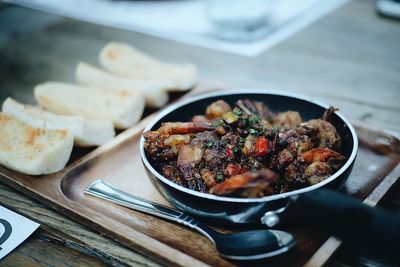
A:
x: 219, y: 177
x: 252, y: 131
x: 209, y: 144
x: 238, y: 113
x: 241, y: 142
x: 253, y: 119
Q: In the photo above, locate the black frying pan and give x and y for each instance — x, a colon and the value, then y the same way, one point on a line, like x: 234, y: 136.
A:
x: 340, y: 215
x: 228, y: 210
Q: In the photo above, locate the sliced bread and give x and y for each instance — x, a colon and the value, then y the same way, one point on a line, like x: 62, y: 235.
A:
x: 87, y: 132
x: 123, y: 108
x: 155, y: 93
x: 126, y: 61
x: 31, y: 150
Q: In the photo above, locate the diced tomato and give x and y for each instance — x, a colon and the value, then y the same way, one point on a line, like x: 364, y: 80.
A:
x: 229, y: 152
x: 232, y: 169
x: 262, y: 146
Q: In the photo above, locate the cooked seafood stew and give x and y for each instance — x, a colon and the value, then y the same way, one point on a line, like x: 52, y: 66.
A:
x: 244, y: 148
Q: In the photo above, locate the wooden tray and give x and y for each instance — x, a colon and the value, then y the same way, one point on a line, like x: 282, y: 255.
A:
x: 119, y: 163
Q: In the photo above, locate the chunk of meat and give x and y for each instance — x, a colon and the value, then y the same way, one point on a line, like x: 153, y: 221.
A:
x: 177, y: 139
x: 317, y: 172
x: 190, y: 156
x: 171, y: 172
x: 153, y: 141
x: 285, y: 157
x: 175, y: 142
x: 201, y: 119
x: 287, y: 120
x: 217, y: 109
x: 297, y: 140
x: 248, y: 184
x: 208, y: 177
x: 255, y: 108
x: 293, y: 177
x: 318, y: 168
x: 327, y: 135
x: 156, y: 148
x: 249, y: 143
x: 164, y: 147
x: 263, y: 111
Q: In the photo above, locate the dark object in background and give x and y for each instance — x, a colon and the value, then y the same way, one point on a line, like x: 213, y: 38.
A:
x: 388, y: 8
x: 351, y: 255
x: 343, y: 216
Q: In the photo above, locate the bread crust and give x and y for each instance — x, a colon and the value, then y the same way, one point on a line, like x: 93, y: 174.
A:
x: 31, y: 150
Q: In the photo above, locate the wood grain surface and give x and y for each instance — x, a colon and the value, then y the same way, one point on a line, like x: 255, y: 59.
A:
x: 350, y: 59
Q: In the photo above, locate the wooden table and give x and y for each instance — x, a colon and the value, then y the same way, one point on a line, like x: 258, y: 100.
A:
x: 350, y: 59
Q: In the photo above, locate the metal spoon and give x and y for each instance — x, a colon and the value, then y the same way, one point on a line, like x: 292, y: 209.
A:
x: 247, y: 245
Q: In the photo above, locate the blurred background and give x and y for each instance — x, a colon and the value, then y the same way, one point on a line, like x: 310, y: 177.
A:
x: 242, y: 27
x: 322, y: 48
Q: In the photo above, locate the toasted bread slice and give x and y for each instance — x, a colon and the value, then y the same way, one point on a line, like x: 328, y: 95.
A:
x: 87, y: 132
x: 155, y: 93
x: 33, y: 151
x: 123, y: 108
x: 126, y: 61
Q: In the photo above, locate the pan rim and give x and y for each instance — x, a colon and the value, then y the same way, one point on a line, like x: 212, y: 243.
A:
x: 243, y: 91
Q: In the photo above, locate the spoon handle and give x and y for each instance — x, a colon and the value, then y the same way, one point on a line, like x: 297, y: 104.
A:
x: 104, y: 190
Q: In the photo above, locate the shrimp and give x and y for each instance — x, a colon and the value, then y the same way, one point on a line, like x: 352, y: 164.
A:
x: 248, y: 184
x: 287, y: 120
x: 323, y: 154
x: 168, y: 128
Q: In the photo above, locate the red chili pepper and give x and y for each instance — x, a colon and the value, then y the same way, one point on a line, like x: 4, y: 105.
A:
x: 262, y: 146
x: 232, y: 169
x: 229, y: 152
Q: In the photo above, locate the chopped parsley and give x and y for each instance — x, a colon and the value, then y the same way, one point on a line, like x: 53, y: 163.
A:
x: 238, y: 113
x: 253, y: 132
x: 242, y: 122
x: 274, y: 130
x: 253, y: 119
x: 209, y: 144
x: 241, y: 142
x: 219, y: 177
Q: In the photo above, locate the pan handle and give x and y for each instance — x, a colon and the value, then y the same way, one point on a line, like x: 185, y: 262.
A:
x: 344, y: 217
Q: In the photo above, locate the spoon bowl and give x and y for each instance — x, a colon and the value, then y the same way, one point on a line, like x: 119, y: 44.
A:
x: 253, y: 245
x: 246, y: 245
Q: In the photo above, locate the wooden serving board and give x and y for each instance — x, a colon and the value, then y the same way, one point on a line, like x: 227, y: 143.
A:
x: 119, y: 163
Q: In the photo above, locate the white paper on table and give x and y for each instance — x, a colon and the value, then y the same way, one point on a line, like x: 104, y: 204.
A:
x: 187, y: 21
x: 14, y: 229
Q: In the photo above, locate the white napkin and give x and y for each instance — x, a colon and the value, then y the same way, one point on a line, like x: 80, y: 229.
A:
x: 14, y: 229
